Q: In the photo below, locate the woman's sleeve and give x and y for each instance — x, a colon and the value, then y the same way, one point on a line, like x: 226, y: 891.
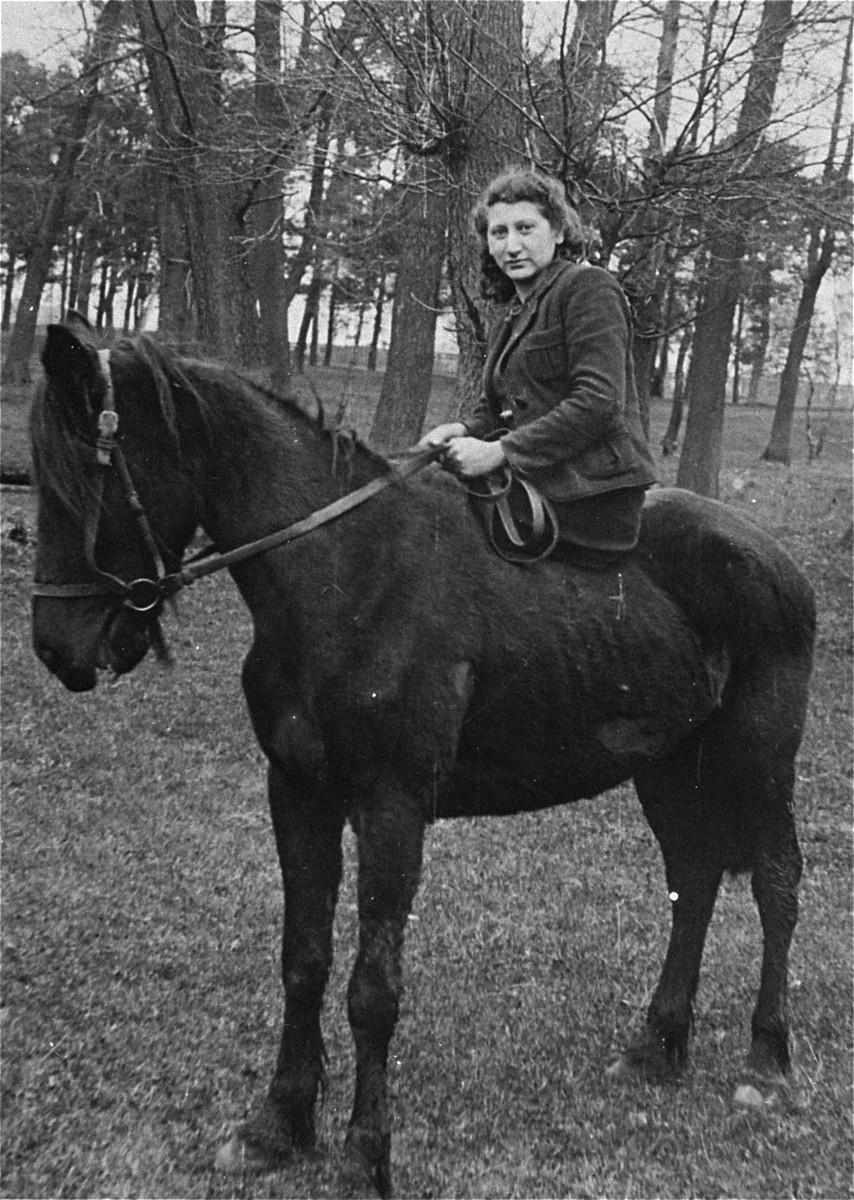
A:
x: 479, y: 422
x: 596, y: 337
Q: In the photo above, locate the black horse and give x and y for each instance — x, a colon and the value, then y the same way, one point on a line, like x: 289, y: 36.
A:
x: 401, y: 672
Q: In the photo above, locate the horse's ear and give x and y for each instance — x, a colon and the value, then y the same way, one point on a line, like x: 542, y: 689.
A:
x: 65, y: 354
x: 74, y: 318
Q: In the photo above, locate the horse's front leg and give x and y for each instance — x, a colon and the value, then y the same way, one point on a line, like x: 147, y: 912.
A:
x: 389, y: 828
x: 308, y: 828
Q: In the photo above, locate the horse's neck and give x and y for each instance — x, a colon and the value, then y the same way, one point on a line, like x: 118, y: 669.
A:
x: 270, y: 468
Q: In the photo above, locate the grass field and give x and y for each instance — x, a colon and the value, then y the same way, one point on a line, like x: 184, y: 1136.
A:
x: 141, y: 909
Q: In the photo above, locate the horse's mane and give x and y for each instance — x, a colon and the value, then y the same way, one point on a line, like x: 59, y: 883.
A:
x: 191, y: 394
x: 211, y: 384
x: 62, y: 455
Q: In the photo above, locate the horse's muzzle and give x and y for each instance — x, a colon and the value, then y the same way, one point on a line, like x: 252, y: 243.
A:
x: 76, y: 639
x: 75, y: 678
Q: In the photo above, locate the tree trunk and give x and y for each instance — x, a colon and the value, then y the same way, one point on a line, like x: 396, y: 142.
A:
x: 63, y: 279
x: 700, y: 461
x: 267, y: 215
x: 663, y: 362
x: 463, y: 75
x: 309, y: 318
x: 819, y: 257
x: 8, y: 288
x: 315, y: 338
x: 378, y: 322
x: 74, y: 261
x: 101, y: 318
x: 82, y: 296
x: 779, y: 445
x: 646, y: 314
x: 331, y: 321
x: 647, y: 279
x: 110, y: 299
x: 16, y: 367
x: 487, y: 51
x: 671, y: 434
x: 585, y: 75
x: 143, y: 292
x: 175, y: 311
x: 405, y: 391
x: 762, y: 331
x: 129, y: 298
x: 736, y: 360
x: 307, y: 250
x: 185, y: 70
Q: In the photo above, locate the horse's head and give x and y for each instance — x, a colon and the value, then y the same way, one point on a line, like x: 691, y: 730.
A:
x: 116, y: 500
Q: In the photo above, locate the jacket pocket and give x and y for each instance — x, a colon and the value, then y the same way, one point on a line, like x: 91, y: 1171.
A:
x: 610, y: 458
x: 545, y: 354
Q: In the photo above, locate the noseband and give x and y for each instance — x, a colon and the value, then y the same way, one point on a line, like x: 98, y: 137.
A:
x: 143, y: 595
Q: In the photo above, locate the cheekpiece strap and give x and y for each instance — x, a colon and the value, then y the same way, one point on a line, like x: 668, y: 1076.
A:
x: 108, y: 418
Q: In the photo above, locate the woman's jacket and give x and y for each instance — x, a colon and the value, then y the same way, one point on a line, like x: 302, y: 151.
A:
x: 559, y: 374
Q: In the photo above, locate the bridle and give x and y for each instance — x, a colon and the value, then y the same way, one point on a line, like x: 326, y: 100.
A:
x: 145, y: 594
x: 141, y: 595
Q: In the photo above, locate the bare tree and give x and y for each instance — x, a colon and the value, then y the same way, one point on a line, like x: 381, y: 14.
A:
x: 185, y: 69
x: 646, y: 281
x: 268, y: 210
x: 460, y: 120
x: 700, y: 461
x: 820, y: 248
x: 16, y: 367
x: 484, y: 48
x: 405, y: 390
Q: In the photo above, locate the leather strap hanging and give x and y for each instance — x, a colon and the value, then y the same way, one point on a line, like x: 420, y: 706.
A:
x: 520, y: 522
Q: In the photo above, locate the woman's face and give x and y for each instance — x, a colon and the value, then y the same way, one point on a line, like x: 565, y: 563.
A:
x: 521, y: 241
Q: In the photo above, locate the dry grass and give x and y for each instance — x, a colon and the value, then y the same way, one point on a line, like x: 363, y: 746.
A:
x: 141, y: 907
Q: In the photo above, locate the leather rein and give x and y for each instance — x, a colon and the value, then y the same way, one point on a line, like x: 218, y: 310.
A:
x: 144, y: 594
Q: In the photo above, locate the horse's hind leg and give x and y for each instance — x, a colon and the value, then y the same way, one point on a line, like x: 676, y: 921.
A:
x: 308, y: 838
x: 776, y: 874
x: 693, y: 866
x: 748, y: 776
x: 389, y: 828
x: 724, y: 803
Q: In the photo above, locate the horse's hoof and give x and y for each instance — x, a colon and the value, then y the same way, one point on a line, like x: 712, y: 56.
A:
x: 358, y: 1181
x: 363, y: 1173
x: 747, y: 1096
x: 623, y: 1071
x: 762, y: 1092
x: 355, y: 1183
x: 646, y: 1062
x: 238, y: 1157
x: 231, y: 1158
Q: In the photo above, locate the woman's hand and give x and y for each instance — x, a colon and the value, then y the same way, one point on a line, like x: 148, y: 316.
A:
x: 441, y: 435
x: 469, y: 457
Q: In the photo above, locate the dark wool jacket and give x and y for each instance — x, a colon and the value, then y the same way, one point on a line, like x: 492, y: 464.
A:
x: 559, y: 371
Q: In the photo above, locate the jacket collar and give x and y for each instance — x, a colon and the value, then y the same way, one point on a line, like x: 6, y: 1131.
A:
x: 543, y: 282
x: 519, y: 316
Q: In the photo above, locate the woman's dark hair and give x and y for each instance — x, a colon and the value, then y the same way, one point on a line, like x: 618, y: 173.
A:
x: 514, y: 186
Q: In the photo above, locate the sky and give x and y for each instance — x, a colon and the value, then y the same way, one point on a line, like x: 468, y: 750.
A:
x: 39, y: 28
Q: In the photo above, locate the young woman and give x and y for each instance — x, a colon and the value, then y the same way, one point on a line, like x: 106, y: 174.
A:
x: 558, y: 375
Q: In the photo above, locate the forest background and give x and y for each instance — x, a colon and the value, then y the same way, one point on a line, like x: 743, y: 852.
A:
x: 708, y: 148
x: 229, y: 166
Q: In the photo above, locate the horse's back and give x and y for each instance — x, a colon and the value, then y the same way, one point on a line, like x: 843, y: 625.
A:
x: 736, y: 583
